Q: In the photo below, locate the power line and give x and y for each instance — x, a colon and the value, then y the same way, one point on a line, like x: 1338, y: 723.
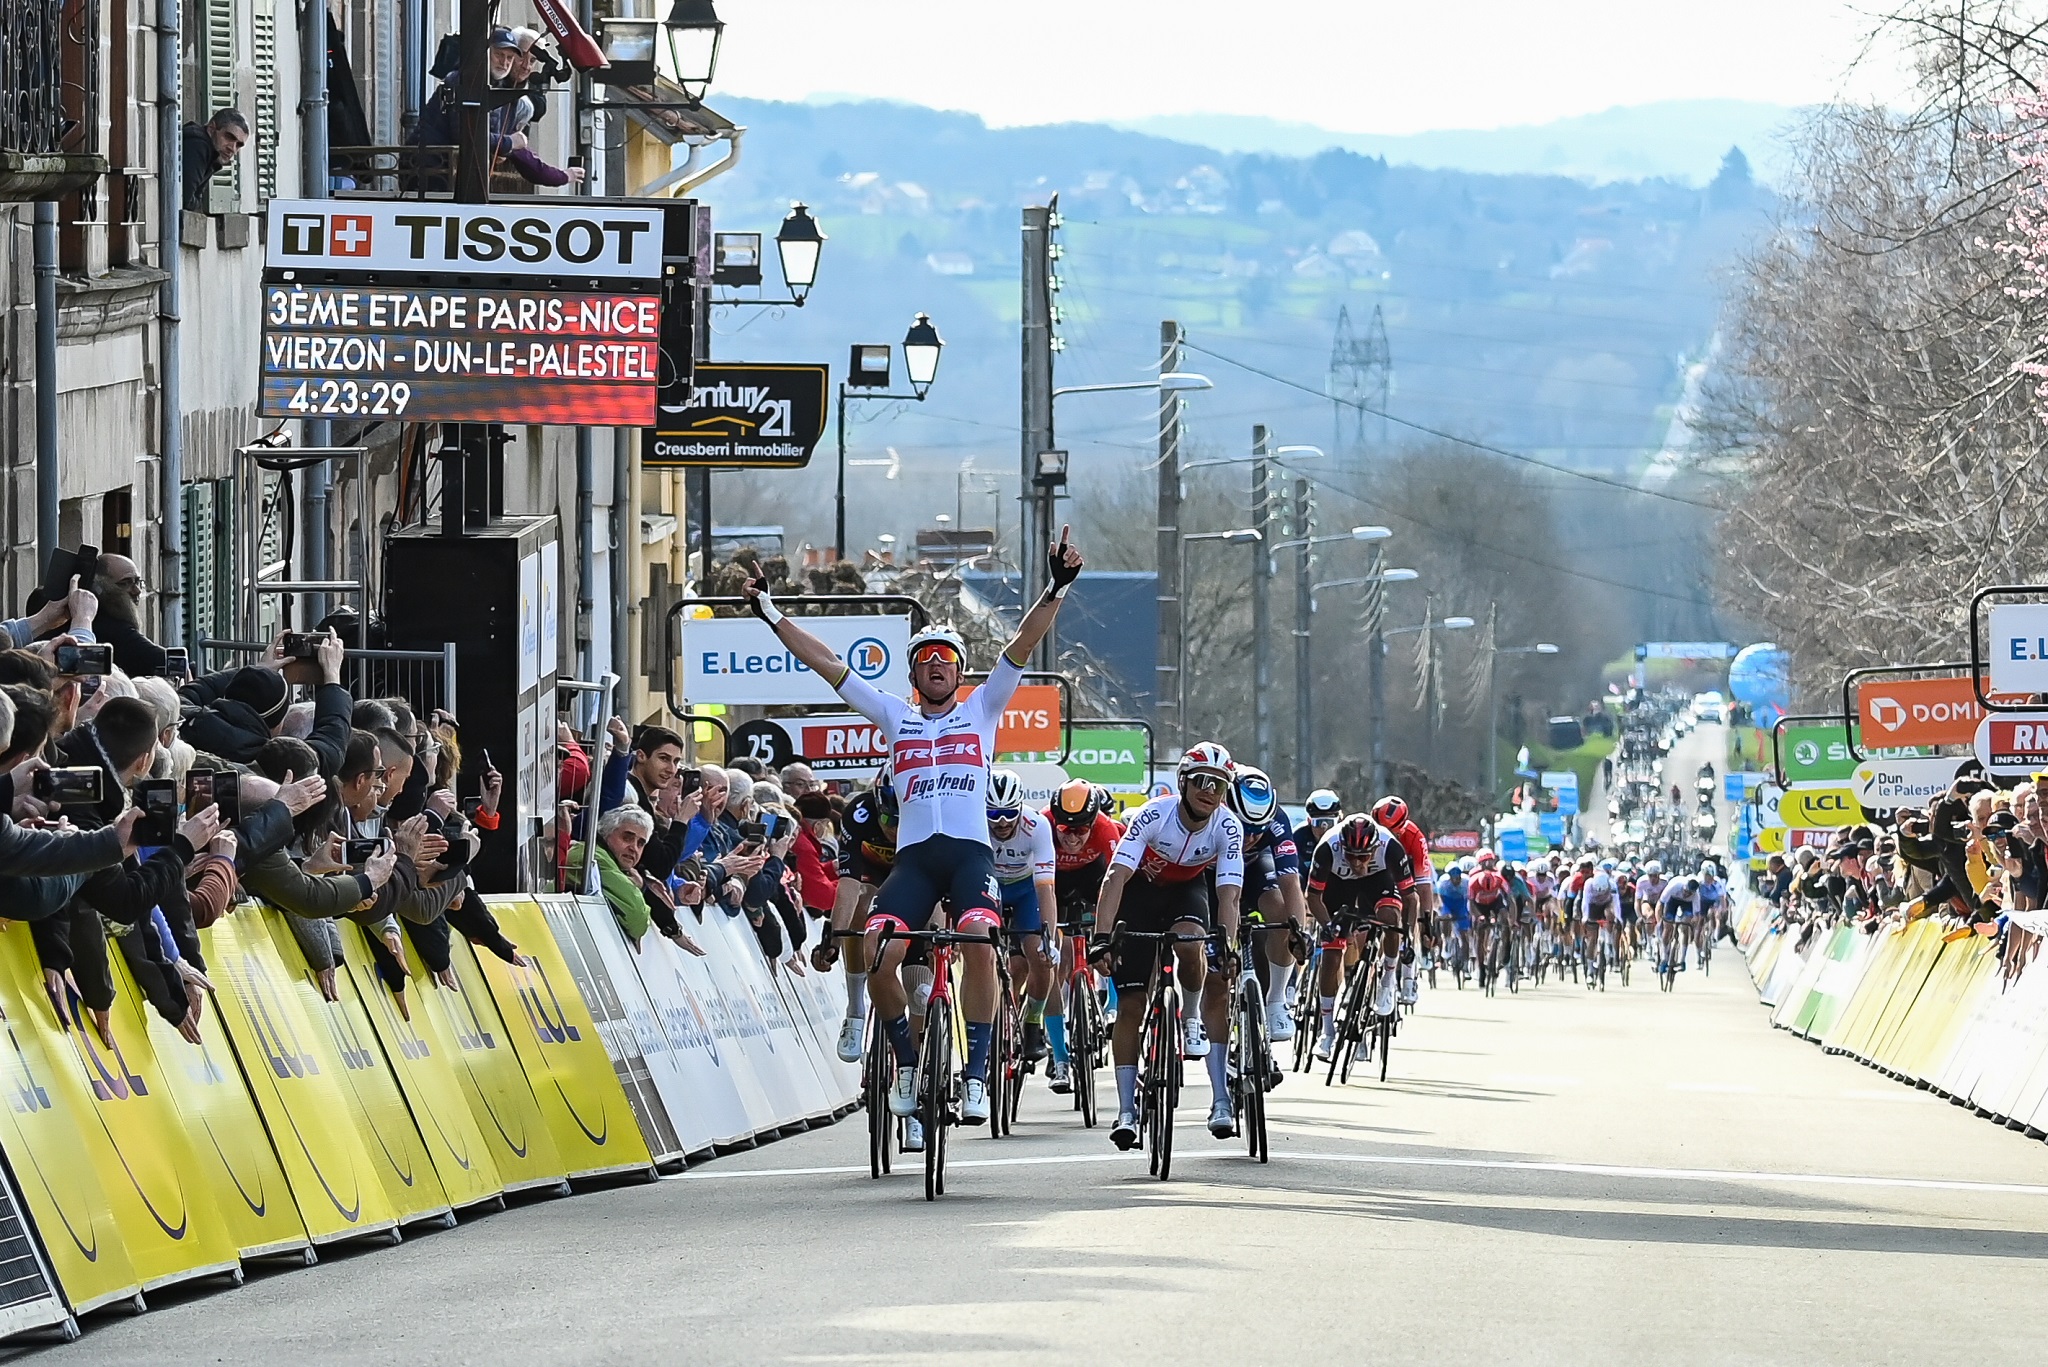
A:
x: 1405, y: 516
x: 1463, y: 441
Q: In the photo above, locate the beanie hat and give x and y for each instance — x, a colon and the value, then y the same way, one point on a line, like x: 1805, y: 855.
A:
x: 264, y: 691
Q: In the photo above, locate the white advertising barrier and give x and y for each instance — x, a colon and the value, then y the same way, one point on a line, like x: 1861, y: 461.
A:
x: 704, y: 1079
x: 819, y: 1040
x: 1041, y: 781
x: 2018, y: 647
x: 825, y: 999
x: 739, y: 660
x: 1885, y: 783
x: 2013, y: 743
x: 597, y: 956
x: 1789, y: 968
x: 737, y: 969
x: 2011, y: 1050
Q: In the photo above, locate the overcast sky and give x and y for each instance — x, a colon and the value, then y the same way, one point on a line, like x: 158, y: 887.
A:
x: 1351, y: 65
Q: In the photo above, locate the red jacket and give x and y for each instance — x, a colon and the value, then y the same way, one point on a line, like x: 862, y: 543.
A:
x: 820, y: 880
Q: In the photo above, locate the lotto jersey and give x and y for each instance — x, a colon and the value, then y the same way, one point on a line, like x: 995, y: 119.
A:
x: 1487, y: 888
x: 1159, y: 845
x: 1028, y: 853
x: 1102, y: 838
x: 941, y: 762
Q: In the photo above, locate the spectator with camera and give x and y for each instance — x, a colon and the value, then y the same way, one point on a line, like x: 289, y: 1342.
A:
x: 119, y: 586
x: 232, y: 713
x: 647, y: 768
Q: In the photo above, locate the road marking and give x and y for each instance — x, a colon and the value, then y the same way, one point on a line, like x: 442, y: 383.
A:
x: 1824, y: 1179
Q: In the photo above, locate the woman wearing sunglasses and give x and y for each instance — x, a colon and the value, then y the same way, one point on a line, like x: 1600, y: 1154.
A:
x: 939, y: 749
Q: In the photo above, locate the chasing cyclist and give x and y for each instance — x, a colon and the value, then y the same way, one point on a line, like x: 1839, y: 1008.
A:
x: 1022, y: 841
x: 1084, y: 838
x: 1272, y: 889
x: 866, y: 855
x: 1359, y: 879
x: 1155, y: 885
x: 939, y: 749
x: 1392, y: 813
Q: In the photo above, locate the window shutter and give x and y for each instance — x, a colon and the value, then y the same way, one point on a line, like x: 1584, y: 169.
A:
x: 263, y: 49
x: 223, y: 192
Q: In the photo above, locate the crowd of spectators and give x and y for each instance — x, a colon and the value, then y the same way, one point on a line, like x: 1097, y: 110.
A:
x: 138, y: 804
x: 675, y: 842
x: 1976, y: 858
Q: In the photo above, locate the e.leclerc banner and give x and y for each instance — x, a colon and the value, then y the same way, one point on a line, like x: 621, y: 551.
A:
x: 739, y: 660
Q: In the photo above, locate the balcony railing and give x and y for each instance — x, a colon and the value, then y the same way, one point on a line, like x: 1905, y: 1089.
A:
x: 49, y: 97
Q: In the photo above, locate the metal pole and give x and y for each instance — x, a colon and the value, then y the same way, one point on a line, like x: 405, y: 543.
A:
x: 170, y: 588
x: 1262, y: 635
x: 49, y: 472
x: 1180, y: 645
x: 1037, y: 405
x: 1377, y: 657
x: 1304, y: 565
x: 625, y: 551
x: 1429, y: 684
x: 586, y: 438
x: 1493, y: 726
x: 1492, y: 668
x: 1168, y: 692
x: 314, y: 171
x: 839, y: 521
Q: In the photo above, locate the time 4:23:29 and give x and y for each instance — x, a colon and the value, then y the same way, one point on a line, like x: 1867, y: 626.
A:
x: 349, y: 398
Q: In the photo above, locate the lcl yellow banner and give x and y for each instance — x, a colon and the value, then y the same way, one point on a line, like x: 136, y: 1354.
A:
x: 1820, y: 806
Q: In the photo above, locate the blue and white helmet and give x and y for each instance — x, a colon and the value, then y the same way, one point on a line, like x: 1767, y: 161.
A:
x: 1252, y: 796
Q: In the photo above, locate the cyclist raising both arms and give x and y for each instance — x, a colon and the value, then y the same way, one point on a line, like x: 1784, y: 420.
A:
x: 1154, y: 886
x: 939, y: 748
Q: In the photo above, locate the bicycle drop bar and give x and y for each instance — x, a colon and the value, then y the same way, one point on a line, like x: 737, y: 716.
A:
x: 945, y: 937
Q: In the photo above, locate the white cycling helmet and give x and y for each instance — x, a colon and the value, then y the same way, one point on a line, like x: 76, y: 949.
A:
x: 1252, y: 796
x: 1324, y: 805
x: 1005, y: 798
x: 1205, y: 757
x: 1655, y: 866
x: 1468, y: 863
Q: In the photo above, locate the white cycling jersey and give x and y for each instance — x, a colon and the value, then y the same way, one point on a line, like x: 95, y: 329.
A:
x: 1028, y: 853
x: 1650, y: 890
x: 940, y: 763
x: 1159, y: 845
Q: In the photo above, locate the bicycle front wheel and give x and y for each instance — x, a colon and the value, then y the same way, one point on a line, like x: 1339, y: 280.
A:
x: 935, y: 1106
x: 1081, y: 1031
x: 1162, y: 1077
x: 878, y: 1071
x: 1253, y: 1065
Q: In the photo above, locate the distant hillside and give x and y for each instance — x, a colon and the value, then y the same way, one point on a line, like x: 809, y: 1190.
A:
x: 1680, y: 140
x: 1544, y: 313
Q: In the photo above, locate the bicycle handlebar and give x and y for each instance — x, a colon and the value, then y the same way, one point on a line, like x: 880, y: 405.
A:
x: 945, y: 937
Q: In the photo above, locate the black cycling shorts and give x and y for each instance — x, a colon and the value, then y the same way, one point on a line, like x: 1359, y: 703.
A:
x: 1155, y: 908
x: 854, y: 863
x: 941, y: 868
x: 1355, y: 903
x: 1075, y: 891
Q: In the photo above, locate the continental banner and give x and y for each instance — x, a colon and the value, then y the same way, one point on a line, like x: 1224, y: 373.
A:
x: 578, y: 1093
x: 293, y: 1075
x: 466, y: 1024
x: 700, y: 1070
x: 426, y: 1072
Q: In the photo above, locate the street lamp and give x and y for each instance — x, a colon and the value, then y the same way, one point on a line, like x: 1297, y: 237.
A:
x: 736, y: 259
x: 1493, y: 708
x: 1428, y: 679
x: 867, y: 370
x: 1376, y: 651
x: 1237, y: 536
x: 691, y: 35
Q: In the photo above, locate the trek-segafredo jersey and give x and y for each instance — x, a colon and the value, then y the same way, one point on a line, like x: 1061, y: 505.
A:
x: 1159, y: 845
x: 940, y: 763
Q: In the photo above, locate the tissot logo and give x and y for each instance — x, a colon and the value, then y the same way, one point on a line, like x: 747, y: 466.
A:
x: 304, y: 235
x: 328, y: 235
x: 350, y: 234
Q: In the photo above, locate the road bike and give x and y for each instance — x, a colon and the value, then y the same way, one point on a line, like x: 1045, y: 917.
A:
x: 1252, y: 1071
x: 1308, y: 1011
x: 1159, y: 1057
x: 938, y: 1076
x: 1358, y: 1023
x: 1006, y: 1065
x: 1087, y: 1035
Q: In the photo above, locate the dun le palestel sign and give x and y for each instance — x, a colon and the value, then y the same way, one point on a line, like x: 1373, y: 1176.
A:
x: 438, y: 312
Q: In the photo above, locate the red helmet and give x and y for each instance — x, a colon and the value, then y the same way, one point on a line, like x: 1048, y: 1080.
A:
x: 1359, y: 835
x: 1391, y: 812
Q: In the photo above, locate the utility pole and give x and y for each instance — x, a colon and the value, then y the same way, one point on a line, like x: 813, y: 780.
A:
x: 1376, y: 651
x: 1262, y: 638
x: 1304, y: 565
x: 1039, y: 222
x: 1429, y: 683
x: 315, y: 169
x: 1492, y: 670
x: 1166, y: 670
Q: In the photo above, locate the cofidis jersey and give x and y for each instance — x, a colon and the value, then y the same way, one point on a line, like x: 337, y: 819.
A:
x: 940, y: 763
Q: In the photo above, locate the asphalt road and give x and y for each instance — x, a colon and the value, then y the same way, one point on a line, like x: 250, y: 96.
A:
x: 1552, y: 1177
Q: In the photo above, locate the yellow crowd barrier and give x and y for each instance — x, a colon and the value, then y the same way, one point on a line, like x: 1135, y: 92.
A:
x: 145, y: 1159
x: 1924, y: 1002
